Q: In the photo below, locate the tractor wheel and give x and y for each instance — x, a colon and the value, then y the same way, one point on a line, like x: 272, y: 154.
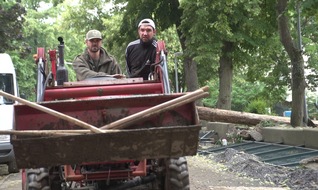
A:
x: 37, y: 179
x: 12, y: 167
x: 177, y: 175
x: 172, y: 174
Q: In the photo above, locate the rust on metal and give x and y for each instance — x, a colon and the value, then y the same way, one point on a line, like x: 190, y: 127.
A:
x: 100, y: 112
x: 135, y: 144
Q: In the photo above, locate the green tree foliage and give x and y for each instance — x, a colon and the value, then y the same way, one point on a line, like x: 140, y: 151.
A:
x: 79, y: 18
x: 39, y: 30
x: 25, y: 71
x: 165, y: 14
x: 85, y: 15
x: 228, y: 34
x: 257, y: 106
x: 248, y: 24
x: 11, y: 22
x: 246, y: 96
x: 309, y: 17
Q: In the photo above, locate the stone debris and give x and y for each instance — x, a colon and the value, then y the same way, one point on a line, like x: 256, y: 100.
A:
x: 251, y: 166
x: 257, y: 136
x: 311, y: 163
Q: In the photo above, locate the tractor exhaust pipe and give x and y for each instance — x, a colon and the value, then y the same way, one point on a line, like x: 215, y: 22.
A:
x: 61, y: 72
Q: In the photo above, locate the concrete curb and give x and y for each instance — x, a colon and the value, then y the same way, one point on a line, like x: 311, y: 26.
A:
x: 307, y: 137
x: 299, y: 136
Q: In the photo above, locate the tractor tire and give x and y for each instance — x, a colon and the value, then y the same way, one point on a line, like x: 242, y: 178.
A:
x: 12, y: 167
x: 172, y: 174
x: 177, y: 175
x: 37, y: 179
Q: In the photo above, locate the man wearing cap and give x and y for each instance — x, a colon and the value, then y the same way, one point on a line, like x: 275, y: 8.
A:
x: 141, y: 53
x: 95, y: 61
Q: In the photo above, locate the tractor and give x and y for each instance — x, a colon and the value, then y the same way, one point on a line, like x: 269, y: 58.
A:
x: 105, y: 133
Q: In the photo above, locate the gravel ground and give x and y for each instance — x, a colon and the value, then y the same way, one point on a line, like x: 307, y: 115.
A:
x: 237, y: 169
x: 207, y: 174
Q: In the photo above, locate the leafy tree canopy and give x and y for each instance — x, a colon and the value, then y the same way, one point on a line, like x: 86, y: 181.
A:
x: 11, y: 22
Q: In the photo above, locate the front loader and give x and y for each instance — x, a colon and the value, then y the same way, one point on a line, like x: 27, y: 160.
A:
x: 105, y: 133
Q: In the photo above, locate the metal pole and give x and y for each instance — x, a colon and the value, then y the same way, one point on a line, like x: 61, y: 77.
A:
x: 176, y: 73
x: 40, y: 81
x: 164, y: 65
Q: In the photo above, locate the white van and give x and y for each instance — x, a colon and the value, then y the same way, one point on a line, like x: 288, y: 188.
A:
x: 8, y: 83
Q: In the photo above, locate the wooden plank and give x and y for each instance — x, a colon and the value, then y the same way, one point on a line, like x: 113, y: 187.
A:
x: 137, y: 144
x: 103, y: 81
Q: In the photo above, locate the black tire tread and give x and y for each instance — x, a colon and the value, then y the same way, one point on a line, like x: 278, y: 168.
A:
x: 177, y: 174
x: 37, y: 179
x: 12, y: 167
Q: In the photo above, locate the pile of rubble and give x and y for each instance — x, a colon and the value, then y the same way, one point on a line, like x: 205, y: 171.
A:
x: 251, y: 166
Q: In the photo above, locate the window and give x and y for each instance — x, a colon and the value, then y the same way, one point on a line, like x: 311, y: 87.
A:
x: 6, y: 85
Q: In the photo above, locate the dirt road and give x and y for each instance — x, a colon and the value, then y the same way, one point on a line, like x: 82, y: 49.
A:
x: 204, y: 175
x: 208, y: 175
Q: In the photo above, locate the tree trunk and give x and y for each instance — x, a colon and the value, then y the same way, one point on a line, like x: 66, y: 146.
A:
x: 190, y: 68
x: 228, y: 116
x: 225, y: 77
x: 191, y: 77
x: 295, y: 54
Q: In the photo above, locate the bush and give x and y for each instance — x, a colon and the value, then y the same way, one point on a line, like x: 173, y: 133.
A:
x: 257, y: 106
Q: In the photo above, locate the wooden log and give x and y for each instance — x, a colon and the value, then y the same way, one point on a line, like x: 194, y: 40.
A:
x: 190, y: 97
x: 52, y: 112
x: 236, y: 117
x: 228, y: 116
